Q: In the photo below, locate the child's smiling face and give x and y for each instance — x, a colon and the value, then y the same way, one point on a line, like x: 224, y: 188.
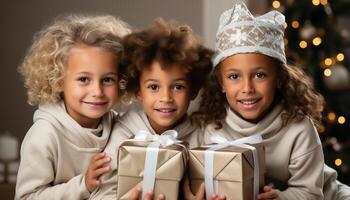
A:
x: 90, y: 84
x: 250, y: 82
x: 165, y: 95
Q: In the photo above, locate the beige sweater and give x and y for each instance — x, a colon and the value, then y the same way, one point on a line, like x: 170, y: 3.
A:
x: 293, y: 153
x: 55, y: 154
x: 131, y: 122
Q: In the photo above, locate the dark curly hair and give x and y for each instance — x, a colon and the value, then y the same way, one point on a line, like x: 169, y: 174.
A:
x: 168, y: 42
x: 296, y: 94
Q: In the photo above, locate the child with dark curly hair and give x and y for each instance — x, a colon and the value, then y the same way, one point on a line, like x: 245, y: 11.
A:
x: 166, y: 67
x: 253, y: 91
x: 71, y: 73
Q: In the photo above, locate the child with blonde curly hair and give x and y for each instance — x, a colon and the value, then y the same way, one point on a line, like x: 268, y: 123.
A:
x: 71, y: 73
x: 166, y: 66
x: 252, y: 90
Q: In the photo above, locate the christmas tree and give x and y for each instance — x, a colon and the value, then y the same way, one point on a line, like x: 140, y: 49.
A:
x: 316, y: 38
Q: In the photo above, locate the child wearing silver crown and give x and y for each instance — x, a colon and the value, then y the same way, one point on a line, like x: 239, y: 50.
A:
x: 252, y: 91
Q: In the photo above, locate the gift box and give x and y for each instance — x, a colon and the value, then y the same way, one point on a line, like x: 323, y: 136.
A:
x: 170, y: 167
x: 233, y: 170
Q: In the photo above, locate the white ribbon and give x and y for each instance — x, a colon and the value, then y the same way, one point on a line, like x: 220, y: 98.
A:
x: 165, y: 139
x: 221, y: 143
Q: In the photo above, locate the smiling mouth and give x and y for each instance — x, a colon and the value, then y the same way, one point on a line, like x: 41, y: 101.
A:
x: 248, y: 102
x: 96, y: 103
x: 166, y: 111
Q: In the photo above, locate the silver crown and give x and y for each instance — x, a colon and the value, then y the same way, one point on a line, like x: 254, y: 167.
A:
x: 240, y: 32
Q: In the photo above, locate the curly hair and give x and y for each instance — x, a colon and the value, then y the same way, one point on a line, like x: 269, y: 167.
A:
x: 168, y: 42
x: 296, y: 94
x: 44, y: 65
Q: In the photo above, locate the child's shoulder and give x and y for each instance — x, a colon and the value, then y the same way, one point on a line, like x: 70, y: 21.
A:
x: 304, y: 125
x: 41, y: 135
x: 304, y: 136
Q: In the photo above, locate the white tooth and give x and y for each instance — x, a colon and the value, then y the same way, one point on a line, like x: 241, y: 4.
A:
x: 248, y: 102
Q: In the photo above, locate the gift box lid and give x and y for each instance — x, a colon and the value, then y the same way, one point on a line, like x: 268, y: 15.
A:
x: 230, y: 164
x: 171, y: 160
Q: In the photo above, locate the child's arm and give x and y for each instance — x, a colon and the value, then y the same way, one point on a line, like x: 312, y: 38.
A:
x: 305, y: 165
x: 37, y: 171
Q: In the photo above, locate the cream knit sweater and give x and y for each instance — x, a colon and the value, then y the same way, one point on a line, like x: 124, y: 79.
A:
x: 55, y: 154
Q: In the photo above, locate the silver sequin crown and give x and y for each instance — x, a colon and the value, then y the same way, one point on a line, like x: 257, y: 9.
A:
x: 240, y: 32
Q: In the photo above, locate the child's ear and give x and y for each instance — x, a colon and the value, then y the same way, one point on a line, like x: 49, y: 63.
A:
x: 59, y: 86
x: 138, y: 96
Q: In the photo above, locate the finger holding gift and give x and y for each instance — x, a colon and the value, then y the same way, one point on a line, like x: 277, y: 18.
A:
x: 200, y: 195
x: 98, y: 166
x: 137, y: 192
x: 187, y: 190
x: 268, y: 193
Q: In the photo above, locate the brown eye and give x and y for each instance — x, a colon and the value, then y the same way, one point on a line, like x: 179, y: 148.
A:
x: 83, y: 79
x: 260, y: 75
x: 233, y: 76
x: 153, y: 87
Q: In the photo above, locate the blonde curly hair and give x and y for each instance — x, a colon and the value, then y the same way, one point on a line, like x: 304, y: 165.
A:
x: 44, y: 65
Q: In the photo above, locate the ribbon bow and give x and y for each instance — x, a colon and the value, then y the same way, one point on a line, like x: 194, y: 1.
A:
x: 221, y: 143
x: 167, y: 138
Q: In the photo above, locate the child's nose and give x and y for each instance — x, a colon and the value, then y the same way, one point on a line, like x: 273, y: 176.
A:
x: 248, y: 86
x: 166, y: 96
x: 97, y: 89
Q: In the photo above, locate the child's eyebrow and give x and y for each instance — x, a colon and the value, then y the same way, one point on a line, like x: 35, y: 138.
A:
x: 180, y: 79
x: 151, y: 80
x: 89, y: 73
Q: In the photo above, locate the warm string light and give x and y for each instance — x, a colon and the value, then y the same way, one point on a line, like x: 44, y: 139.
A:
x: 324, y: 2
x: 317, y: 41
x: 316, y: 2
x: 331, y: 116
x: 276, y: 4
x: 295, y: 24
x: 327, y: 72
x: 321, y: 128
x: 285, y: 25
x: 328, y: 62
x: 341, y: 119
x: 303, y: 44
x: 338, y: 162
x: 340, y: 57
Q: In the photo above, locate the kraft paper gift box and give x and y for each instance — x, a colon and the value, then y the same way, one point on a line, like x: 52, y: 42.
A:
x: 233, y: 170
x: 170, y: 168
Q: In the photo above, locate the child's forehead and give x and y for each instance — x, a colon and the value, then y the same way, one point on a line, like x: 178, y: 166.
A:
x: 167, y: 67
x: 249, y: 61
x: 158, y: 71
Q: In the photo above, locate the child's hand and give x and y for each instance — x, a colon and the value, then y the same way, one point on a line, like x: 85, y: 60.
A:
x: 138, y: 192
x: 200, y: 195
x: 98, y: 166
x: 268, y: 193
